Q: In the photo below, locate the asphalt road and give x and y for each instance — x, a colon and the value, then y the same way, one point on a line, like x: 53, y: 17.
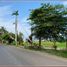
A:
x: 10, y: 55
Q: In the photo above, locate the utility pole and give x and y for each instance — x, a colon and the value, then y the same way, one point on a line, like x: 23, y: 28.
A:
x: 16, y: 22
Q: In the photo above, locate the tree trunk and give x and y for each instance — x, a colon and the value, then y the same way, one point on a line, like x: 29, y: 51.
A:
x: 55, y: 47
x: 54, y: 42
x: 39, y: 42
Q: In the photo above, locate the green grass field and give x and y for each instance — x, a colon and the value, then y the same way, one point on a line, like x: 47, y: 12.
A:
x: 61, y: 53
x: 50, y: 44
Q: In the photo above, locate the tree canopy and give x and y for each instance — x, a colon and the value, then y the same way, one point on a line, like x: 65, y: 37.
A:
x: 48, y: 21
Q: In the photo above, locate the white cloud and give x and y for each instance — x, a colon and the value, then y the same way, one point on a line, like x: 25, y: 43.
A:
x: 8, y: 25
x: 5, y: 10
x: 24, y: 27
x: 7, y: 21
x: 64, y: 3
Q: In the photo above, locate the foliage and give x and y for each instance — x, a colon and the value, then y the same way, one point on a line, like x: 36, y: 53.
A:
x: 48, y: 21
x: 9, y: 37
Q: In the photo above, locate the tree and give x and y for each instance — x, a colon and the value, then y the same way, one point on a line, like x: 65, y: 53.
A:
x: 65, y: 34
x: 2, y: 32
x: 48, y: 21
x: 16, y: 32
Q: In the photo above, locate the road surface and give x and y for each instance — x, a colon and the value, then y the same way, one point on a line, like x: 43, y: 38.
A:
x: 11, y: 55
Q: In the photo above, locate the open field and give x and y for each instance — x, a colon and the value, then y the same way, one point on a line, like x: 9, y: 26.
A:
x: 50, y: 44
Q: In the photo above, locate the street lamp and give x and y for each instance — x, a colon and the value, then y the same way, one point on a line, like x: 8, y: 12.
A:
x: 16, y: 32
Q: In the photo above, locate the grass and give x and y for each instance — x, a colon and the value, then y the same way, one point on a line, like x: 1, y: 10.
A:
x: 50, y: 44
x: 61, y: 53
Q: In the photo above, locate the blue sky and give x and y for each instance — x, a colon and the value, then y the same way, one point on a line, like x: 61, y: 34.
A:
x: 8, y: 7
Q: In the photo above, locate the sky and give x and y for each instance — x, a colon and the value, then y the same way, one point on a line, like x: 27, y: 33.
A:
x: 7, y: 7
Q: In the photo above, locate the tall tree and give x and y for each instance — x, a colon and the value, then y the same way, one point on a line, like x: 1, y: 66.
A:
x: 16, y: 22
x: 48, y: 20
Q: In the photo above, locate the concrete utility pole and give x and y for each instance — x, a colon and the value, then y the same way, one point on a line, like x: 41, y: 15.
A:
x: 16, y: 32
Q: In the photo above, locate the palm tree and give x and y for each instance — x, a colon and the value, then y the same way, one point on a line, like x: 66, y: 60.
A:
x: 16, y: 14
